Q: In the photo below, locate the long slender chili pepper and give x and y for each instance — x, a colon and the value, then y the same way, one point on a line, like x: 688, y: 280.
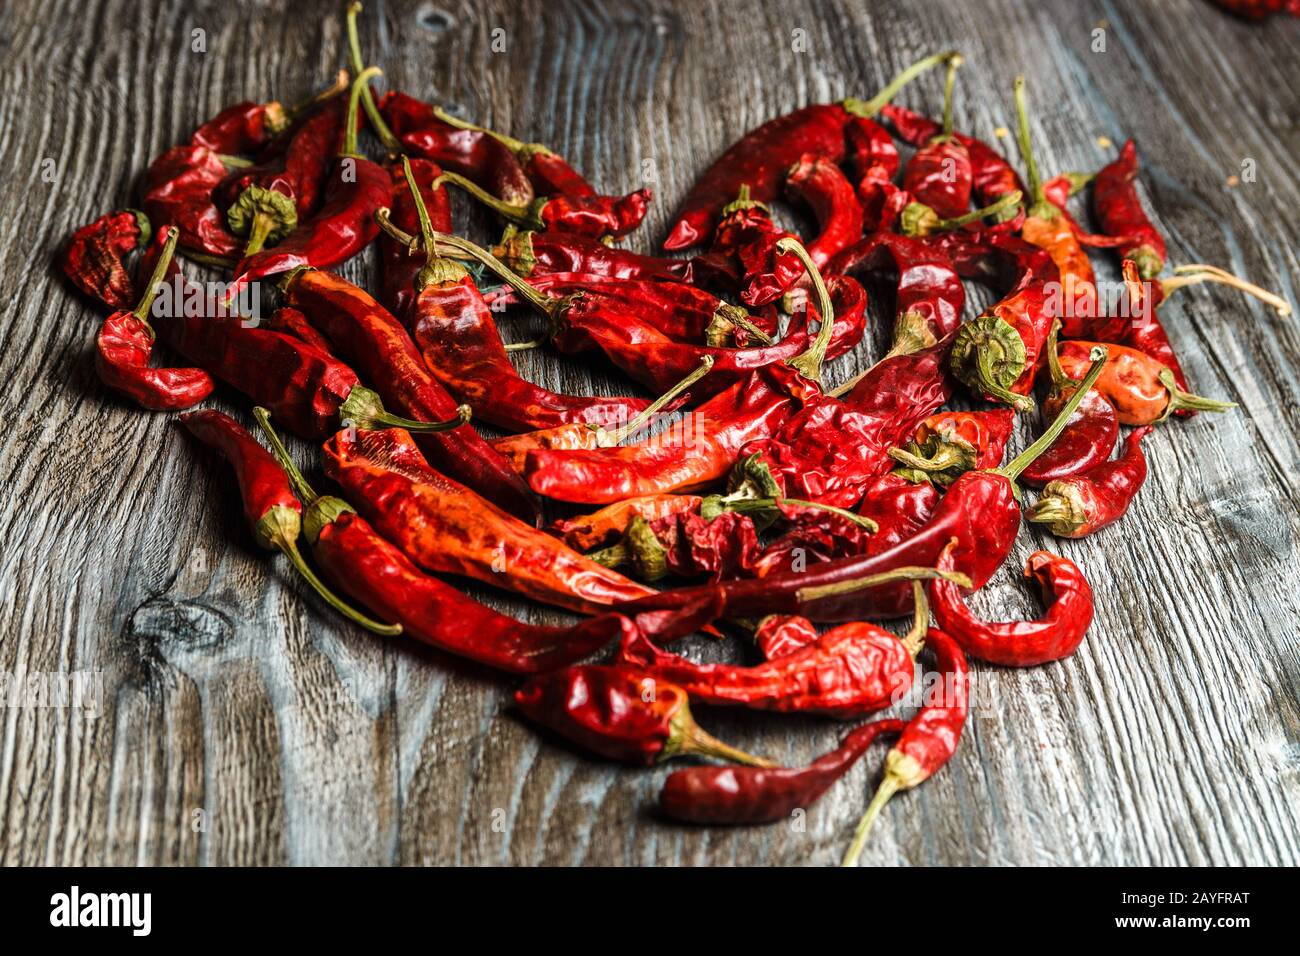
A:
x: 273, y: 512
x: 939, y: 174
x: 178, y: 190
x: 622, y: 714
x: 760, y: 158
x: 824, y: 188
x: 370, y: 337
x: 981, y: 510
x: 92, y: 259
x: 585, y: 532
x: 125, y: 344
x: 375, y: 573
x: 929, y: 740
x: 294, y: 323
x: 454, y: 328
x: 399, y: 263
x: 592, y: 216
x: 949, y: 444
x: 849, y: 671
x: 444, y: 527
x: 291, y: 371
x: 345, y: 223
x: 872, y: 158
x: 1142, y: 389
x: 1081, y: 504
x: 743, y: 796
x: 531, y: 253
x: 1089, y: 436
x: 1052, y: 637
x: 1120, y: 212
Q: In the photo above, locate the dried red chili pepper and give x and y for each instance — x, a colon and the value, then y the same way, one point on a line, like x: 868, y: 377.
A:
x: 294, y: 323
x: 929, y: 740
x: 531, y: 253
x: 873, y: 159
x: 178, y: 191
x: 745, y: 796
x: 742, y: 255
x: 939, y: 174
x: 445, y: 527
x: 822, y: 186
x: 273, y: 513
x: 592, y: 216
x: 1120, y: 212
x: 622, y: 714
x: 1089, y: 436
x: 851, y: 670
x: 243, y: 127
x: 812, y: 534
x: 780, y: 634
x: 400, y: 262
x: 375, y: 573
x: 344, y: 224
x: 685, y: 545
x: 1054, y: 636
x: 760, y: 158
x: 603, y: 527
x: 949, y: 444
x: 1142, y: 389
x: 125, y: 344
x: 369, y: 336
x: 1081, y: 504
x: 899, y: 507
x: 92, y: 259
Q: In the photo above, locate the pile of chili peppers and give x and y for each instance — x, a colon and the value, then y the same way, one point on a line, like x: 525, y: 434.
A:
x: 728, y: 490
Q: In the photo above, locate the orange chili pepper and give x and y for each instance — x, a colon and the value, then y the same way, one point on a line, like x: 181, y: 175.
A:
x: 595, y: 530
x: 1142, y: 389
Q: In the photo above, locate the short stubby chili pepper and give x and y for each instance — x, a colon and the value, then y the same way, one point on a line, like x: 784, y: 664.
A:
x: 1120, y: 213
x: 1089, y: 436
x: 125, y: 344
x: 899, y: 507
x: 872, y: 157
x: 929, y: 740
x: 949, y: 444
x: 851, y: 670
x: 1052, y: 637
x: 243, y: 127
x: 93, y: 258
x: 591, y: 216
x: 992, y: 176
x: 444, y: 527
x: 399, y: 262
x: 780, y: 634
x: 1077, y: 506
x: 273, y: 513
x: 355, y: 190
x: 366, y: 334
x: 1142, y: 389
x: 939, y: 174
x: 375, y: 573
x: 595, y: 530
x: 981, y: 510
x: 760, y: 159
x: 178, y: 191
x: 532, y: 253
x: 741, y: 254
x: 744, y: 796
x: 622, y: 714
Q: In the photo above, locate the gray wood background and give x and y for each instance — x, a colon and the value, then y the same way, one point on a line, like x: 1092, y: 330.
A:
x: 238, y: 723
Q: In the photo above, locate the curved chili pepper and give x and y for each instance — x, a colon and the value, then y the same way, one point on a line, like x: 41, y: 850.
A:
x: 1054, y: 636
x: 585, y: 532
x: 949, y: 444
x: 939, y: 174
x: 685, y: 545
x: 744, y: 796
x: 125, y: 344
x: 622, y: 714
x: 243, y: 127
x: 1081, y: 504
x: 592, y: 216
x: 178, y: 191
x: 1120, y: 212
x: 377, y: 574
x: 873, y: 159
x: 399, y: 263
x: 294, y: 323
x: 980, y: 510
x: 1142, y: 389
x: 345, y: 223
x: 899, y: 507
x: 531, y: 253
x: 823, y: 187
x: 1089, y: 436
x: 780, y: 634
x: 823, y: 533
x: 929, y: 740
x: 273, y: 513
x: 366, y: 334
x: 92, y: 259
x: 760, y: 158
x: 444, y: 527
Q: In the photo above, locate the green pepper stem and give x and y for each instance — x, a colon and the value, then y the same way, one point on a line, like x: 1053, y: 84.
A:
x: 262, y: 227
x: 340, y: 85
x: 1198, y: 272
x: 516, y: 146
x: 290, y: 549
x: 809, y: 363
x: 988, y: 381
x: 914, y: 639
x: 1060, y: 381
x: 306, y: 494
x: 545, y: 304
x: 743, y: 505
x: 871, y: 107
x: 524, y: 346
x: 698, y: 742
x: 1026, y: 146
x: 156, y: 279
x: 1180, y: 400
x: 358, y: 87
x: 910, y: 573
x: 519, y: 215
x: 1012, y: 469
x: 1003, y: 202
x: 945, y: 458
x: 608, y: 439
x: 888, y: 787
x: 950, y: 81
x: 358, y: 66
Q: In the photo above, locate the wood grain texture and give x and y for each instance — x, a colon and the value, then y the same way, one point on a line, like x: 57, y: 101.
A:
x: 240, y: 723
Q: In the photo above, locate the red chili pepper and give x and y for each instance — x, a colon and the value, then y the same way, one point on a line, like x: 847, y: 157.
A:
x: 345, y: 223
x: 1120, y: 213
x: 929, y: 740
x: 242, y: 127
x: 399, y: 262
x: 949, y: 444
x: 820, y: 183
x: 369, y: 336
x: 873, y: 159
x: 178, y: 191
x: 595, y: 530
x: 685, y: 545
x: 760, y: 159
x: 899, y: 507
x: 273, y: 513
x: 780, y: 634
x: 294, y: 323
x: 92, y: 259
x: 939, y: 174
x: 742, y: 255
x: 445, y: 528
x: 744, y: 796
x: 125, y: 345
x: 1054, y: 636
x: 622, y: 714
x: 531, y: 253
x: 812, y: 534
x: 375, y: 573
x: 591, y: 216
x: 1142, y: 389
x: 1081, y: 504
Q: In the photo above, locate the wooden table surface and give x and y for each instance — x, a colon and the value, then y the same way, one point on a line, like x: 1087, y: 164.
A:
x: 237, y: 722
